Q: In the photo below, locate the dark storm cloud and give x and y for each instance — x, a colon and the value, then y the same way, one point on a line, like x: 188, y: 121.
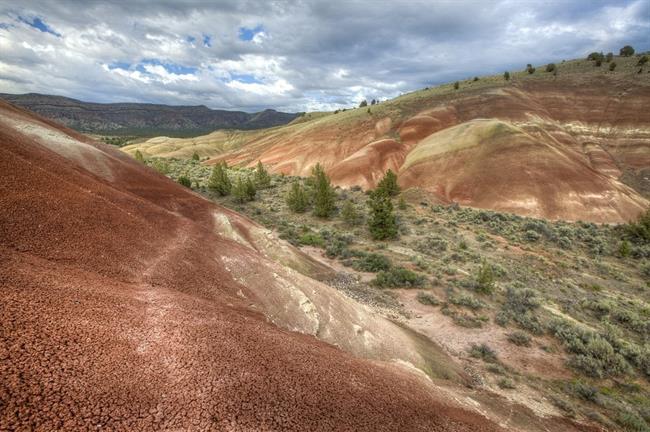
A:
x: 292, y: 55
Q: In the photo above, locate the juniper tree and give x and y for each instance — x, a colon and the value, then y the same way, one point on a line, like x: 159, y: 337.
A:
x: 138, y: 156
x: 297, y: 198
x: 262, y: 177
x: 239, y: 191
x: 506, y: 76
x: 349, y: 214
x: 389, y: 183
x: 323, y: 193
x: 382, y: 222
x: 219, y: 181
x: 250, y: 189
x: 196, y: 157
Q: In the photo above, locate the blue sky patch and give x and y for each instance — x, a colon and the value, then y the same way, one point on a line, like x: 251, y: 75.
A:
x: 190, y: 39
x: 207, y: 41
x: 169, y: 67
x: 245, y: 78
x: 39, y: 24
x: 247, y: 34
x: 119, y: 65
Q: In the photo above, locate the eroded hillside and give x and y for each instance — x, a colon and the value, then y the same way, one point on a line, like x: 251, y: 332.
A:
x: 545, y: 145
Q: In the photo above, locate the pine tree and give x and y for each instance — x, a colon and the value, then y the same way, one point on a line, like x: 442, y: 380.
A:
x: 138, y: 156
x: 389, y: 183
x: 219, y: 181
x: 382, y: 222
x: 485, y: 278
x: 297, y: 198
x: 506, y: 76
x: 323, y: 193
x: 349, y: 214
x: 262, y: 177
x: 239, y: 191
x: 250, y: 189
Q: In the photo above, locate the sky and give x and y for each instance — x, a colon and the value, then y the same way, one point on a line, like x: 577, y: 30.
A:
x: 295, y: 55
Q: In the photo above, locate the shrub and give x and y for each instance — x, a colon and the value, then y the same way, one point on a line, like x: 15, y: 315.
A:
x: 239, y: 190
x: 530, y: 69
x: 323, y: 193
x: 532, y: 236
x: 398, y: 277
x: 431, y: 245
x: 467, y: 301
x: 506, y: 76
x: 250, y: 191
x: 138, y: 156
x: 550, y: 67
x: 626, y: 51
x: 297, y: 198
x: 456, y: 85
x: 364, y: 103
x: 612, y: 66
x: 195, y: 156
x: 632, y: 422
x: 609, y: 57
x: 372, y: 262
x: 382, y: 222
x: 483, y: 352
x: 643, y: 60
x: 639, y: 231
x: 506, y: 383
x: 519, y: 338
x: 388, y: 184
x: 475, y: 79
x: 161, y: 165
x: 427, y: 299
x: 262, y: 177
x: 311, y: 239
x: 485, y: 280
x: 595, y: 56
x: 185, y: 181
x: 219, y: 180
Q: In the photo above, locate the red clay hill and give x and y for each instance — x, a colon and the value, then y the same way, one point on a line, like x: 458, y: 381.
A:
x: 547, y: 145
x: 129, y: 303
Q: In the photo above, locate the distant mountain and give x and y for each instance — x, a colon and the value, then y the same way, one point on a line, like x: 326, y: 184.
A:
x: 143, y: 119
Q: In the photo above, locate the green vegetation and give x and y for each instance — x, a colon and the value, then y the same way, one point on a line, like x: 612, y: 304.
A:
x: 550, y: 67
x: 456, y: 85
x: 324, y: 195
x: 530, y: 69
x: 196, y: 157
x: 262, y: 177
x: 612, y: 66
x: 388, y: 184
x: 506, y: 76
x: 219, y: 180
x: 626, y: 51
x: 582, y: 290
x: 185, y: 181
x: 483, y: 352
x: 399, y: 277
x: 138, y: 156
x: 297, y: 199
x: 382, y: 222
x: 244, y: 190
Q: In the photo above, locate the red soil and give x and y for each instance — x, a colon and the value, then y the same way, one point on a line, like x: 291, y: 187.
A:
x: 116, y: 315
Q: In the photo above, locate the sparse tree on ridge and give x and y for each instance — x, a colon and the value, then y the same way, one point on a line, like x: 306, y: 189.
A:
x: 506, y: 76
x: 626, y: 51
x: 363, y: 103
x: 138, y: 156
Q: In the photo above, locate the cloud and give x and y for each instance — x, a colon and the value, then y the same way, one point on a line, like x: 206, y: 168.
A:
x: 293, y: 55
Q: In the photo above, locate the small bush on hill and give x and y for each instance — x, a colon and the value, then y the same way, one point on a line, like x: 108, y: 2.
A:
x: 519, y: 338
x: 311, y: 239
x: 485, y: 279
x: 364, y: 103
x: 138, y: 156
x: 609, y: 57
x: 372, y: 262
x: 506, y: 76
x: 643, y: 60
x: 612, y: 66
x: 483, y: 352
x: 427, y: 299
x: 185, y: 181
x: 398, y: 277
x: 550, y: 67
x: 324, y: 194
x: 196, y: 157
x: 350, y: 215
x: 530, y: 69
x: 456, y: 85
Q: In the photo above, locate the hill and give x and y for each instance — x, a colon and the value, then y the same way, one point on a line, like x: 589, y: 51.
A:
x: 552, y: 145
x: 128, y: 302
x: 143, y: 119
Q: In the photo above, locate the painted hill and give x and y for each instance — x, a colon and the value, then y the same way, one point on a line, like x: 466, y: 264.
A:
x: 546, y: 145
x: 143, y: 119
x: 130, y: 303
